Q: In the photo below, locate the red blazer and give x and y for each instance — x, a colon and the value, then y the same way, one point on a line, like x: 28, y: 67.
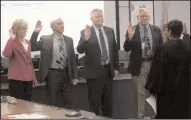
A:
x: 20, y: 63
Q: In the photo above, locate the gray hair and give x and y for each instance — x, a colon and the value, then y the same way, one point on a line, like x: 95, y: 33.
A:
x: 95, y: 10
x: 16, y: 24
x: 53, y: 22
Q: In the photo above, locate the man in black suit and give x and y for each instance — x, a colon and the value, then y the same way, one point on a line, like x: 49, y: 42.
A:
x: 57, y: 62
x: 101, y: 63
x: 142, y: 40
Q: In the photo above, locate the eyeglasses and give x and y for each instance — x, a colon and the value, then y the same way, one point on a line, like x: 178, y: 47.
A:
x: 22, y: 28
x: 142, y: 16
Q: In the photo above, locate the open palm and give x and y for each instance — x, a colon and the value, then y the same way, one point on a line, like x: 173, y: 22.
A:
x: 38, y: 26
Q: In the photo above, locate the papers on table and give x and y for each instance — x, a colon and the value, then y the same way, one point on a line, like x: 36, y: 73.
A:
x: 152, y: 101
x: 25, y: 116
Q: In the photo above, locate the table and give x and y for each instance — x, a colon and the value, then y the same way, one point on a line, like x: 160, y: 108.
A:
x: 24, y: 107
x: 124, y: 96
x: 60, y: 114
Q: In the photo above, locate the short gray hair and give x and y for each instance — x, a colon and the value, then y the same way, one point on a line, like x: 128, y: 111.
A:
x: 95, y: 10
x: 53, y: 22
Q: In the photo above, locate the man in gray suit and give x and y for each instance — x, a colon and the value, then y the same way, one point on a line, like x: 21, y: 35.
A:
x: 57, y: 62
x: 142, y: 40
x: 101, y: 63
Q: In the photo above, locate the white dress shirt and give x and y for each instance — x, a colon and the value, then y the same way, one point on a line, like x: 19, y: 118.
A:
x: 25, y: 44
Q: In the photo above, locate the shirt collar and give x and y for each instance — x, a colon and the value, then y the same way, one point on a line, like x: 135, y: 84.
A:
x: 141, y: 26
x: 96, y: 28
x: 58, y: 36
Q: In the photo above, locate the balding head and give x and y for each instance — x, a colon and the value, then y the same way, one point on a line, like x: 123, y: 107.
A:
x: 143, y: 16
x: 57, y: 26
x: 97, y: 17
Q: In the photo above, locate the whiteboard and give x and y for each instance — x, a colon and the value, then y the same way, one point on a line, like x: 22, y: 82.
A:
x: 76, y: 14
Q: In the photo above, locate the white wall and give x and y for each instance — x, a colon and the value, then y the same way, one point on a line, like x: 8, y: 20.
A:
x: 110, y: 14
x: 180, y: 10
x: 177, y: 9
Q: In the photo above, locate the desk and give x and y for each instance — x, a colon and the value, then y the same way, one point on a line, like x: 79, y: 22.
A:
x: 24, y: 107
x: 124, y: 97
x: 60, y: 114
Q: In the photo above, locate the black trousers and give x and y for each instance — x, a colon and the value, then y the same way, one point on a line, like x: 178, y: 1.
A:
x: 21, y: 89
x: 59, y: 88
x: 100, y: 93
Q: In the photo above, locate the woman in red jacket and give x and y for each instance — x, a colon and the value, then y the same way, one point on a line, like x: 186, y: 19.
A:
x: 21, y: 74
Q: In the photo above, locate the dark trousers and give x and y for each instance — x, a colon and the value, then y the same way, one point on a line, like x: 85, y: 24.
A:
x: 21, y: 89
x: 58, y: 88
x: 100, y: 93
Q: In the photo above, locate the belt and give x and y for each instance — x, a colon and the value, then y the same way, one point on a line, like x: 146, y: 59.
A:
x: 58, y: 69
x: 106, y: 65
x: 147, y: 59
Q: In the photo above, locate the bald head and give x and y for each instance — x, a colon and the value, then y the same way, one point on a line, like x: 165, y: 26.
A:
x: 143, y: 16
x: 57, y: 26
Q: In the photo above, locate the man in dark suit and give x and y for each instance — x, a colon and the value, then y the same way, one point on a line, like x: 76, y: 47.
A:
x: 57, y: 62
x: 142, y: 40
x: 101, y: 63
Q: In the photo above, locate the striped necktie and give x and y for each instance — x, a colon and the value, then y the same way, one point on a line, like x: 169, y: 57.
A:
x: 147, y: 42
x: 104, y: 55
x: 62, y: 53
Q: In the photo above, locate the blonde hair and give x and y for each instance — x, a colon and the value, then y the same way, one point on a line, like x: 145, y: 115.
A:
x: 16, y: 25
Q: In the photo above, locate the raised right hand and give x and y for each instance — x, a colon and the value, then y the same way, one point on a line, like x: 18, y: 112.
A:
x: 185, y: 30
x: 38, y: 26
x: 131, y: 31
x: 12, y: 35
x: 87, y: 32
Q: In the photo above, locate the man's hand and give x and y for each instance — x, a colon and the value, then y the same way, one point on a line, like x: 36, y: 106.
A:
x: 165, y: 34
x: 75, y: 81
x: 185, y: 30
x: 12, y: 35
x: 116, y: 72
x: 35, y: 83
x: 131, y: 31
x: 38, y: 26
x: 87, y: 32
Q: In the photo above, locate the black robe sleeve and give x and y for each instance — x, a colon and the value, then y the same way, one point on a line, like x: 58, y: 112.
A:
x: 156, y: 77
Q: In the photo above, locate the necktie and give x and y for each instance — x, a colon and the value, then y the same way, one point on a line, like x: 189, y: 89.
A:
x: 147, y: 43
x: 62, y: 53
x: 104, y: 55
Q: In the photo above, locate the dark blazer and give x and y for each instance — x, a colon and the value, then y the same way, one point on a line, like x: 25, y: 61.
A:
x: 45, y: 45
x: 134, y: 46
x: 20, y: 64
x: 186, y: 40
x: 92, y: 65
x: 169, y: 80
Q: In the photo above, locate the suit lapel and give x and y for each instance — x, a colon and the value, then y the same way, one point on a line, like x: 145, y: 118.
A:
x: 51, y: 43
x: 109, y: 35
x: 153, y: 36
x: 137, y: 33
x: 94, y: 35
x: 66, y: 44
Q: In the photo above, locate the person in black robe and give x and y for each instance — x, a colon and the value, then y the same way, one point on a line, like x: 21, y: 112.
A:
x: 170, y: 76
